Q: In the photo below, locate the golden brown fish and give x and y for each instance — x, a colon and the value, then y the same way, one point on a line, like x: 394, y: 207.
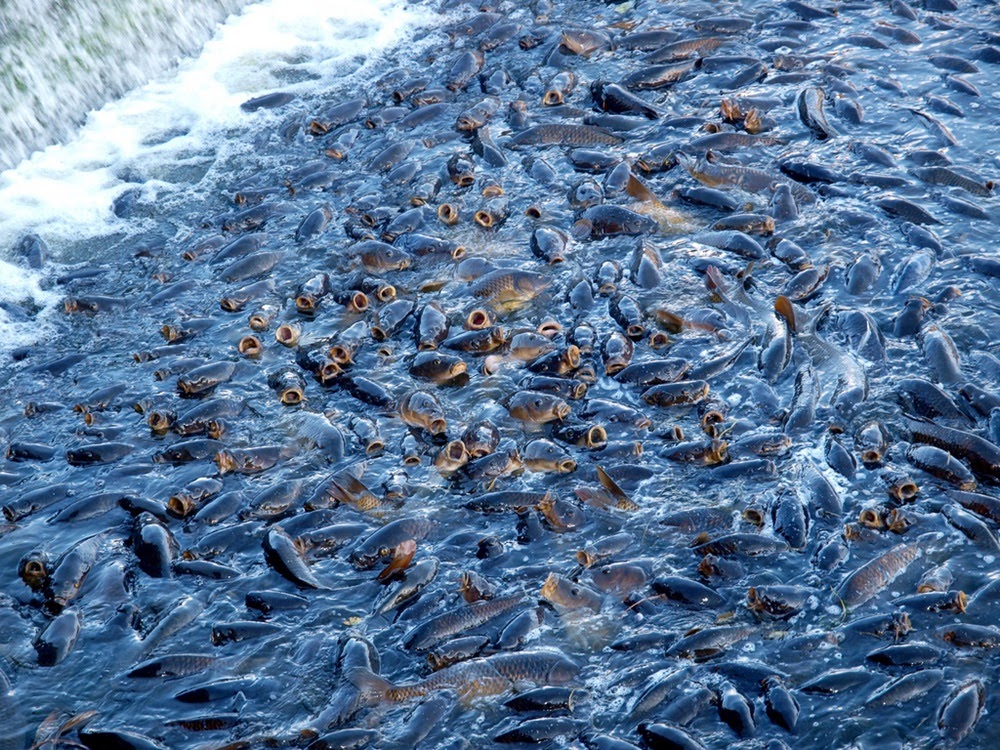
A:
x: 476, y: 678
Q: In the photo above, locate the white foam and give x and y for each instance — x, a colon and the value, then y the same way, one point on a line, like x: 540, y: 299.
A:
x: 20, y: 287
x: 64, y: 193
x: 58, y: 62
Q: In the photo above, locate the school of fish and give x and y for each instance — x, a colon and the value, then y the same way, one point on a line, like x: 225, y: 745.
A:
x: 594, y: 375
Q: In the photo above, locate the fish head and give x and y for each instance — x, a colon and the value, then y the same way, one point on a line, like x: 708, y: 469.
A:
x: 538, y: 407
x: 383, y: 257
x: 567, y: 595
x: 530, y: 283
x: 33, y: 569
x: 367, y: 556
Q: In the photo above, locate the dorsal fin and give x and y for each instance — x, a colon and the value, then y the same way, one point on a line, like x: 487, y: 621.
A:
x: 611, y: 485
x: 635, y: 189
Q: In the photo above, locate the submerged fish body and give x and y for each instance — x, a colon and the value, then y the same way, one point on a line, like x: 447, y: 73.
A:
x: 477, y: 678
x: 510, y: 289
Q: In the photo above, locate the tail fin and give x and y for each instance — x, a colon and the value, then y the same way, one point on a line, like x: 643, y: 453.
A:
x: 345, y: 702
x: 714, y: 282
x: 369, y: 683
x: 807, y: 321
x: 784, y: 309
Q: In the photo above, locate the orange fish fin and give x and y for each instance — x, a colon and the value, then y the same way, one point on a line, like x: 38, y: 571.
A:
x: 635, y: 189
x: 783, y: 307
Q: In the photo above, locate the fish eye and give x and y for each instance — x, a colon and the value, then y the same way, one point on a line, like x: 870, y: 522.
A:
x: 575, y: 591
x: 606, y: 571
x: 383, y: 551
x: 538, y: 403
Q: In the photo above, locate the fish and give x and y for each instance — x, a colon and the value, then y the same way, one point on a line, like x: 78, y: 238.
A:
x: 379, y: 257
x: 612, y: 97
x: 710, y: 641
x: 941, y: 464
x: 608, y: 221
x: 172, y: 665
x: 437, y: 629
x: 674, y: 394
x: 537, y: 407
x: 549, y: 244
x: 204, y: 379
x: 381, y: 545
x: 58, y: 638
x: 584, y: 42
x: 666, y: 735
x: 951, y: 178
x: 708, y: 171
x: 544, y: 455
x: 660, y: 76
x: 437, y: 367
x: 565, y: 135
x: 422, y: 409
x: 961, y: 710
x: 510, y: 289
x: 282, y: 554
x: 809, y: 103
x: 982, y: 455
x: 568, y: 596
x: 935, y: 127
x: 872, y: 577
x: 69, y: 572
x: 559, y: 86
x: 98, y: 453
x: 684, y: 48
x: 476, y: 678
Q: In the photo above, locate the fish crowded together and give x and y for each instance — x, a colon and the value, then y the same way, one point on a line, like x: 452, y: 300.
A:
x: 596, y: 376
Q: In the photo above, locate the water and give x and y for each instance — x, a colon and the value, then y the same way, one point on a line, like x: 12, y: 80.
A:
x: 59, y: 60
x: 176, y: 155
x: 166, y: 134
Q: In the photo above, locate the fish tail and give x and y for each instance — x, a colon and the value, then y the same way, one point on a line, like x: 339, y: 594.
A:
x: 783, y: 308
x: 582, y: 228
x: 716, y: 283
x: 370, y: 683
x: 802, y: 322
x: 344, y: 703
